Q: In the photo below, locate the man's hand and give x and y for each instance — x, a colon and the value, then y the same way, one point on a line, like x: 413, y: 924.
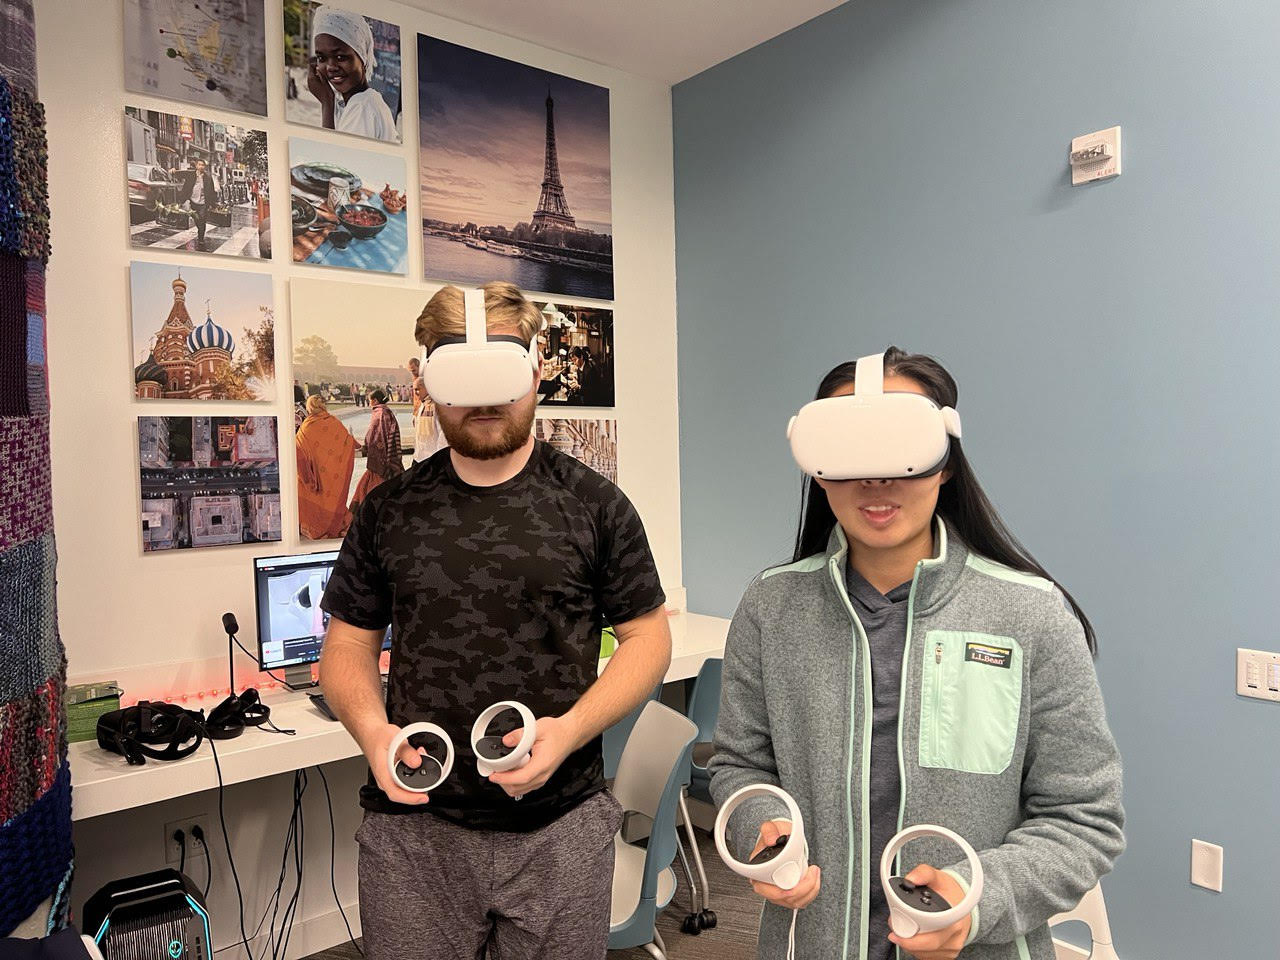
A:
x: 557, y: 738
x: 376, y: 754
x: 804, y: 892
x: 941, y: 944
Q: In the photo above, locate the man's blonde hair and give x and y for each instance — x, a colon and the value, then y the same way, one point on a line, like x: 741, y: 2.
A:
x: 505, y: 307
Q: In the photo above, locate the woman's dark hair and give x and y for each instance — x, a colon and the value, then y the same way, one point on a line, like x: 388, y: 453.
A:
x: 378, y: 396
x: 961, y: 500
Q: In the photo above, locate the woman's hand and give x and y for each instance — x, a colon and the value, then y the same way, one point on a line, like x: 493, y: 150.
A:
x: 318, y: 85
x: 941, y: 944
x: 804, y: 892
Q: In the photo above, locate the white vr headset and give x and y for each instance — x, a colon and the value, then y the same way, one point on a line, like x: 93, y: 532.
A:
x: 479, y: 370
x: 870, y: 434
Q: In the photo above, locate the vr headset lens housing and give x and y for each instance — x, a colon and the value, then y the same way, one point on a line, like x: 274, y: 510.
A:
x: 872, y: 435
x: 479, y: 370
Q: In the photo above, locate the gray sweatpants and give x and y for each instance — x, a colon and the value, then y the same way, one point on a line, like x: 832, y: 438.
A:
x: 431, y: 890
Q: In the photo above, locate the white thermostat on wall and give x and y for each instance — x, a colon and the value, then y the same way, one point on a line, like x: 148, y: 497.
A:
x: 1095, y: 156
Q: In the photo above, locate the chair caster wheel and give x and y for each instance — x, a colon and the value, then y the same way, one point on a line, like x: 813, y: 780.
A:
x: 707, y: 919
x: 691, y: 926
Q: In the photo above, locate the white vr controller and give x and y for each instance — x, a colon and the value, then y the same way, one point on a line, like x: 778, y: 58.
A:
x: 784, y: 863
x: 915, y: 909
x: 433, y: 771
x: 492, y: 754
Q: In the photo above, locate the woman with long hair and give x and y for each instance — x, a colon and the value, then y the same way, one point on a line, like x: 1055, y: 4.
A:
x: 915, y: 664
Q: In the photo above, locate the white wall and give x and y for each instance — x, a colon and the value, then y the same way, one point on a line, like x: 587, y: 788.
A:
x: 126, y: 615
x: 119, y: 607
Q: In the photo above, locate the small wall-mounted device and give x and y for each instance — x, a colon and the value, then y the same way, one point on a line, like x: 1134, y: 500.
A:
x: 1095, y: 156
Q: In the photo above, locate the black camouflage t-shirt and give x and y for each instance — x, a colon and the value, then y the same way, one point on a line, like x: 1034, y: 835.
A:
x: 494, y: 593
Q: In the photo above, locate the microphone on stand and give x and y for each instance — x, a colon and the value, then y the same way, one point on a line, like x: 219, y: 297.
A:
x: 230, y: 624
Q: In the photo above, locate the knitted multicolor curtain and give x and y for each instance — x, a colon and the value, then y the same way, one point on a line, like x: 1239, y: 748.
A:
x: 35, y: 781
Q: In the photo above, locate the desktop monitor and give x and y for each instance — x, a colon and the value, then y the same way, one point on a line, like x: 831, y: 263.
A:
x: 291, y: 625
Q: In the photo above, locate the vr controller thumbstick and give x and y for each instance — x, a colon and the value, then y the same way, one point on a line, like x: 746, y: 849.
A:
x: 492, y: 753
x: 915, y: 909
x: 784, y: 862
x: 432, y: 772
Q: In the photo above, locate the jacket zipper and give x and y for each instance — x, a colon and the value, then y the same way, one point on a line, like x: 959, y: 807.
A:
x: 937, y: 695
x: 837, y: 576
x: 902, y: 699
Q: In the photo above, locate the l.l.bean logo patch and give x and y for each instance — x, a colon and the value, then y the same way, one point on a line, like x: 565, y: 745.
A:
x: 989, y: 654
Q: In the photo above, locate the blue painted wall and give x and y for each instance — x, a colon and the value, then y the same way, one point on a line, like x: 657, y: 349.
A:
x: 895, y: 172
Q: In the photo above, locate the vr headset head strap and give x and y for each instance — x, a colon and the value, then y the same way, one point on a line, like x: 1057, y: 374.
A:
x: 477, y: 329
x: 868, y: 376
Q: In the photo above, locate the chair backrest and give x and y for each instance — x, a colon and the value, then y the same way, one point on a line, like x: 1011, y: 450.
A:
x: 704, y: 701
x: 649, y: 781
x: 1092, y: 911
x: 614, y: 739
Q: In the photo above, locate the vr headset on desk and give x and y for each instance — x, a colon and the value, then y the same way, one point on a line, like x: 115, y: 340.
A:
x: 161, y: 731
x: 166, y: 731
x: 480, y: 369
x: 870, y: 434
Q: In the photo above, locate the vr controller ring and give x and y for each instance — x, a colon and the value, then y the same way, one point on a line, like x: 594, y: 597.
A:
x: 788, y: 865
x: 432, y: 772
x: 918, y: 909
x: 492, y: 754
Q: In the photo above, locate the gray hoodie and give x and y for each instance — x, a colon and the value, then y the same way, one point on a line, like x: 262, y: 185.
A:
x: 1002, y: 737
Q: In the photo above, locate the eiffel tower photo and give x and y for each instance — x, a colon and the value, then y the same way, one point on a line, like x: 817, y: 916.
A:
x: 490, y: 211
x: 553, y: 209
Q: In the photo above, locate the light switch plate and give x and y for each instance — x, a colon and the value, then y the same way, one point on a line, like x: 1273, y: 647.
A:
x: 1206, y: 865
x: 1109, y: 167
x: 1258, y: 674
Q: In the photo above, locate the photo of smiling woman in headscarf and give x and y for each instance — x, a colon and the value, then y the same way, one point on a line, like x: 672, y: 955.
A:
x: 344, y: 70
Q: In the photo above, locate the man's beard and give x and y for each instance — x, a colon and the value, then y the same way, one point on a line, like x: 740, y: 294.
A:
x: 516, y: 428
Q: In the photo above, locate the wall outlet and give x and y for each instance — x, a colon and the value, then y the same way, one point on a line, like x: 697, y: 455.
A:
x: 1206, y: 865
x: 1258, y: 674
x: 173, y: 849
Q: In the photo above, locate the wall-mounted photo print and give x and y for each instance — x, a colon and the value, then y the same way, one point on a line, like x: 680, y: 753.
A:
x: 361, y: 414
x: 515, y: 174
x: 196, y: 185
x: 577, y: 356
x: 348, y: 207
x: 212, y: 53
x: 342, y: 70
x: 201, y: 334
x: 593, y: 442
x: 208, y: 481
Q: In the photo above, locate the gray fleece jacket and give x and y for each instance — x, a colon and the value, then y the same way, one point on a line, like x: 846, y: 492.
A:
x: 1002, y: 737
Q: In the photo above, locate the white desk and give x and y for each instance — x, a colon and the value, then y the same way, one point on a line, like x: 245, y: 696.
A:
x: 104, y: 783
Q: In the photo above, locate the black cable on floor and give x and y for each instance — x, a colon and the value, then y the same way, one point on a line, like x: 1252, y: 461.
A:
x: 226, y: 839
x: 333, y: 880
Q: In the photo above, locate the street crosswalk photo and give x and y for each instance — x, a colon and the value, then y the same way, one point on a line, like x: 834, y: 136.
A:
x: 196, y: 185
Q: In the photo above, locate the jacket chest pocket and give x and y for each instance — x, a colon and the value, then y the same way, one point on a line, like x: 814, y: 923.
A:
x: 970, y: 699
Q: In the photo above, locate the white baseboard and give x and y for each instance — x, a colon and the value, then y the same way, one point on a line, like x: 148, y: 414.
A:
x: 308, y: 936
